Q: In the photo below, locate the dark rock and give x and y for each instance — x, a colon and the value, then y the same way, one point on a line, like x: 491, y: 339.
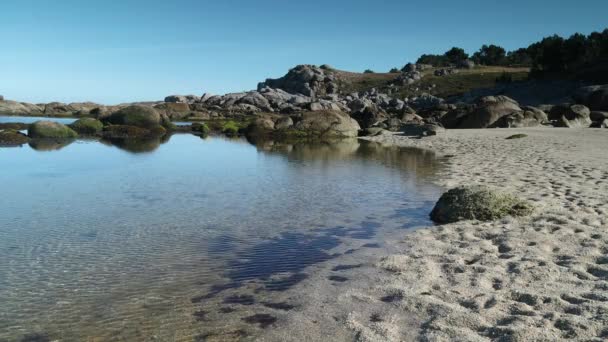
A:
x: 488, y: 110
x: 49, y: 129
x: 126, y: 131
x: 12, y: 138
x: 477, y: 203
x: 529, y: 117
x: 424, y: 130
x: 284, y: 122
x: 572, y: 116
x: 307, y: 80
x: 595, y: 97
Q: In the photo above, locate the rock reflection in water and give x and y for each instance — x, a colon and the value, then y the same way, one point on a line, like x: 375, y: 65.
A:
x: 45, y: 145
x: 137, y: 145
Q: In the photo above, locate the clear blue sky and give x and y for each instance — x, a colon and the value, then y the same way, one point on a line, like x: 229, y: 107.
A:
x: 131, y: 50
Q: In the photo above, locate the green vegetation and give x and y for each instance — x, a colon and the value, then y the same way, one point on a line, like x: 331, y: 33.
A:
x: 394, y: 71
x: 516, y: 136
x: 201, y: 127
x: 230, y: 128
x: 368, y: 71
x: 87, y: 126
x: 48, y: 129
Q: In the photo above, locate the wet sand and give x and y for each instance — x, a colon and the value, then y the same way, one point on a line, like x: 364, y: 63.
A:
x: 543, y: 277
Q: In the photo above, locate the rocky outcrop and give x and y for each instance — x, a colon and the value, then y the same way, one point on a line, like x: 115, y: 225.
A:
x: 528, y: 117
x: 182, y: 99
x: 20, y: 108
x: 328, y: 123
x: 477, y: 203
x: 49, y: 129
x: 572, y: 116
x: 174, y: 110
x: 308, y: 80
x: 137, y: 115
x: 488, y: 110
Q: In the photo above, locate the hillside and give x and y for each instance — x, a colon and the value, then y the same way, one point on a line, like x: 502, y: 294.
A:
x: 465, y: 80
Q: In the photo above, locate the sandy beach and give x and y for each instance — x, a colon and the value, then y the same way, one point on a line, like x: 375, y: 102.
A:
x: 538, y: 278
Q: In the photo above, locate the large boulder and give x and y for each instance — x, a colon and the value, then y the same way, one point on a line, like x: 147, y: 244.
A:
x: 328, y: 123
x: 182, y: 99
x: 49, y: 129
x: 595, y: 97
x: 174, y: 110
x: 477, y: 203
x: 20, y: 108
x: 529, y: 117
x: 136, y: 115
x: 572, y: 116
x: 87, y: 126
x: 425, y: 101
x: 12, y: 138
x: 308, y: 80
x: 488, y: 110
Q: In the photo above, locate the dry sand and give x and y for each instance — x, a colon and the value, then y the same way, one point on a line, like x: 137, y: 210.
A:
x: 538, y: 278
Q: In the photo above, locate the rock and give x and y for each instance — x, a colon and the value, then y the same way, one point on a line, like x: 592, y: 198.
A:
x: 488, y: 110
x: 328, y: 123
x: 595, y: 97
x: 529, y: 117
x: 1, y: 98
x: 284, y: 122
x: 598, y: 116
x: 572, y: 116
x: 307, y: 80
x: 205, y: 97
x: 257, y: 100
x: 174, y: 110
x: 87, y: 126
x: 477, y: 203
x: 373, y: 131
x: 200, y: 127
x: 445, y: 72
x: 369, y: 116
x: 136, y: 115
x: 604, y: 124
x: 412, y: 118
x: 182, y: 99
x: 20, y: 108
x: 425, y: 101
x: 10, y: 138
x: 15, y: 126
x: 49, y: 129
x: 417, y: 130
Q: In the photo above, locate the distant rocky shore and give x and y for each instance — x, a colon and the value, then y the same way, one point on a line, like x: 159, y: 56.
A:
x: 317, y: 100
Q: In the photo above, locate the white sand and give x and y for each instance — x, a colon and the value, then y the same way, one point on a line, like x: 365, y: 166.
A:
x: 538, y: 278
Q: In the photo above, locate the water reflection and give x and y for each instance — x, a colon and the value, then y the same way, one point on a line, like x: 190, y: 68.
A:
x: 192, y: 237
x: 46, y: 145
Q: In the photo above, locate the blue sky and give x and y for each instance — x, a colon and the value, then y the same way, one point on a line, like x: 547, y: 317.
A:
x: 132, y: 50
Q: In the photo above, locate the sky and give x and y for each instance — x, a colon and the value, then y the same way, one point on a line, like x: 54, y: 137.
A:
x: 138, y: 50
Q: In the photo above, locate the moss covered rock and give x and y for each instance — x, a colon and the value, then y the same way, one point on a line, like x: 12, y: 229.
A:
x: 477, y: 203
x: 87, y: 126
x: 201, y: 128
x: 138, y: 116
x: 49, y: 129
x: 12, y: 138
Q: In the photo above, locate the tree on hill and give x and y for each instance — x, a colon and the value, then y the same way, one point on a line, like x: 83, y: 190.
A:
x: 368, y: 71
x: 394, y: 71
x: 434, y: 60
x: 456, y: 55
x: 490, y: 55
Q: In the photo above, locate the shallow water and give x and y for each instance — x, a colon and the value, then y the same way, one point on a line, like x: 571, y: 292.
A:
x: 163, y: 240
x: 32, y: 119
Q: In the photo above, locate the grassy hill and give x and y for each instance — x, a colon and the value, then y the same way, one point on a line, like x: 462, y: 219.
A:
x: 442, y: 86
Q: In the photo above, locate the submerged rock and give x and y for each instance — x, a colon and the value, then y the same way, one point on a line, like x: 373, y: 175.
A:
x: 49, y: 129
x: 12, y: 138
x: 87, y: 126
x: 477, y: 203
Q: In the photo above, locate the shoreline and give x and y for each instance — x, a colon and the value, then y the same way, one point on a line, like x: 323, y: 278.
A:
x: 541, y: 277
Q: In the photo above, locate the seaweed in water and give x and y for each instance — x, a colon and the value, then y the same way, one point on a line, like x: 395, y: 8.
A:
x: 262, y: 320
